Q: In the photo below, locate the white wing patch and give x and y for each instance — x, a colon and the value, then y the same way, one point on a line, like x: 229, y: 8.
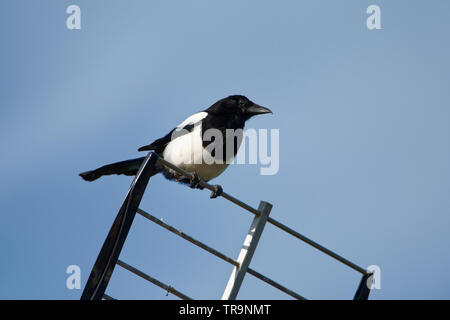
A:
x: 194, y: 119
x: 186, y: 148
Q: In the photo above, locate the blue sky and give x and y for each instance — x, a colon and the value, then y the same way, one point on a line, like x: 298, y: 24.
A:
x: 364, y: 142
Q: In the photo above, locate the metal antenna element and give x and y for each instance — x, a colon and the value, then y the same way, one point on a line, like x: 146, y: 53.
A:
x: 108, y: 257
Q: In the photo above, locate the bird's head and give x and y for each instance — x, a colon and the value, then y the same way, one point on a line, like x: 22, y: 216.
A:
x: 239, y: 106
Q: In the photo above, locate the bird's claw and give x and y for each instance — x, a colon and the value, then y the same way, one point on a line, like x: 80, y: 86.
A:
x: 195, y: 180
x: 218, y: 190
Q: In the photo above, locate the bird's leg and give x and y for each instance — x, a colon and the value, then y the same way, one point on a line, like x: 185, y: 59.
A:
x: 218, y: 190
x: 195, y: 180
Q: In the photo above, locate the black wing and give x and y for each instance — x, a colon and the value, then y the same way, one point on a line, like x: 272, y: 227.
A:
x: 159, y: 145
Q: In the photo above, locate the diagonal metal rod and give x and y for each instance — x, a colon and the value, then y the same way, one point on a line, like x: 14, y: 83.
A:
x: 104, y: 265
x: 217, y: 253
x: 317, y: 246
x: 107, y: 297
x: 247, y: 251
x: 153, y: 280
x: 363, y: 291
x: 275, y: 284
x: 186, y: 237
x: 270, y: 220
x: 208, y: 186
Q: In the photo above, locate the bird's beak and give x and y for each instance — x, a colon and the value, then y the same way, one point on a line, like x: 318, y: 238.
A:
x: 255, y: 109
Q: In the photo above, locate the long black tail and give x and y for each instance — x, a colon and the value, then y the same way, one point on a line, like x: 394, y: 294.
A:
x: 127, y: 167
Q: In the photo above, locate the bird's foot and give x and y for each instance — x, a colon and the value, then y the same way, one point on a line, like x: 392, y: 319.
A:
x: 218, y: 190
x: 195, y: 180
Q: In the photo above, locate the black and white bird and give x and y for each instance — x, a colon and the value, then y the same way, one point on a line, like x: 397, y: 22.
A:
x: 185, y: 146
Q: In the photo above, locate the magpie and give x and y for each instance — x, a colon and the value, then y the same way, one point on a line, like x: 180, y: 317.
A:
x: 186, y: 147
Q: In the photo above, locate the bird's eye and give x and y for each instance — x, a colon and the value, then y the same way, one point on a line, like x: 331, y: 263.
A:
x: 241, y: 102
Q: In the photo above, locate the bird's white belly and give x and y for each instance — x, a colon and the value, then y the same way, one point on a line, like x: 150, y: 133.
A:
x: 187, y: 152
x: 205, y: 171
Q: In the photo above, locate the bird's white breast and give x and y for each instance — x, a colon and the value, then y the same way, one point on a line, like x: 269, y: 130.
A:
x: 186, y: 151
